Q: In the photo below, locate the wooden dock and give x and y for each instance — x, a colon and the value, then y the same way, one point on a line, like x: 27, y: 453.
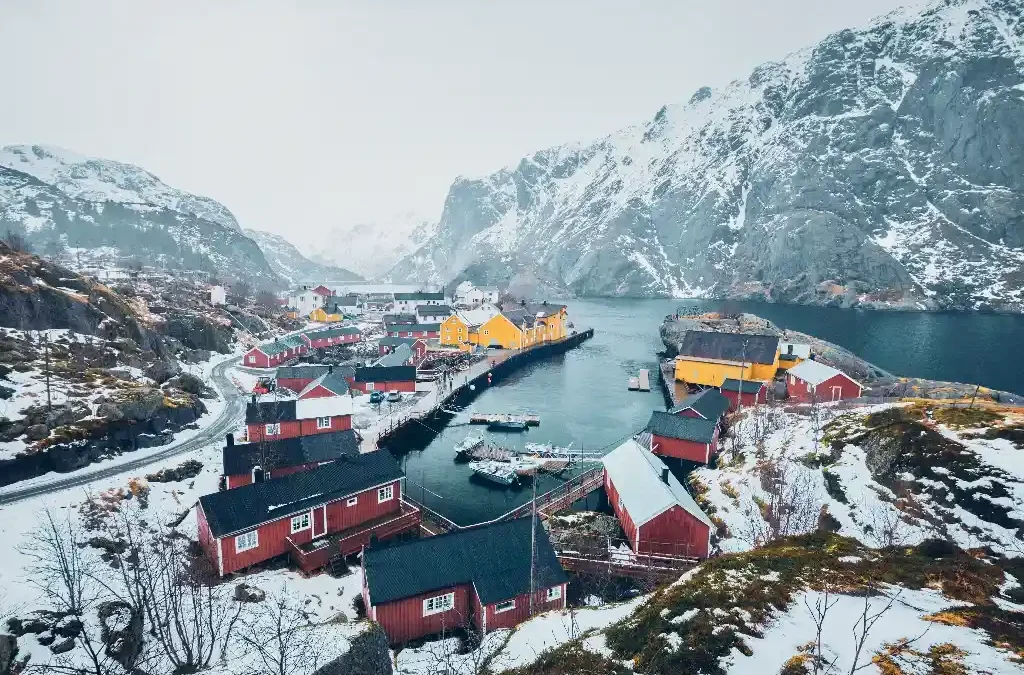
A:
x: 530, y: 419
x: 641, y: 383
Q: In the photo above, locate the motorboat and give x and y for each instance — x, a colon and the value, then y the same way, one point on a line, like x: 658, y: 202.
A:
x: 495, y: 472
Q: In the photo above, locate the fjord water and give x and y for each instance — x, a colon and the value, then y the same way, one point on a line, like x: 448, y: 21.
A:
x: 581, y: 396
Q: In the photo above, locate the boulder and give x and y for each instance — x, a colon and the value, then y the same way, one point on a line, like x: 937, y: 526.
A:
x: 162, y: 370
x: 246, y: 593
x: 191, y: 384
x: 8, y: 653
x: 187, y: 469
x: 64, y: 646
x: 368, y: 654
x: 121, y: 632
x: 11, y: 430
x: 6, y: 392
x: 37, y: 432
x: 68, y: 413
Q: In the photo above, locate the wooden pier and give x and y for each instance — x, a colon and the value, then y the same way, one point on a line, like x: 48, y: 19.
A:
x: 641, y: 383
x: 529, y: 419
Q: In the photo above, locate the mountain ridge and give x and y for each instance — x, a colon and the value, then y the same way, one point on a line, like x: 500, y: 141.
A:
x: 880, y: 167
x: 291, y: 265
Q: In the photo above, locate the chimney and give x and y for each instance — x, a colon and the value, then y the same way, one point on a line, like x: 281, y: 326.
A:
x: 330, y: 369
x: 664, y: 476
x: 230, y: 439
x: 254, y: 398
x: 789, y: 348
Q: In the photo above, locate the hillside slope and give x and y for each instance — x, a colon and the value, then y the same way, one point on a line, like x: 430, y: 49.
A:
x: 289, y: 264
x: 882, y: 166
x: 59, y: 200
x: 371, y: 249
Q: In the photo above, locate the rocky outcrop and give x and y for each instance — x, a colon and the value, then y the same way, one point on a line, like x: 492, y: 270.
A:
x: 882, y: 167
x: 121, y: 629
x: 198, y: 332
x: 368, y: 654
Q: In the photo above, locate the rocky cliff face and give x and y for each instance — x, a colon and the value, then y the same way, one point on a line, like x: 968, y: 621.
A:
x: 100, y: 211
x: 884, y: 166
x: 289, y: 264
x: 371, y: 249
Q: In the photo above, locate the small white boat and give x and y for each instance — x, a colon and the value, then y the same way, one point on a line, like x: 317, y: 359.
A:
x: 495, y: 472
x: 464, y: 448
x: 526, y: 466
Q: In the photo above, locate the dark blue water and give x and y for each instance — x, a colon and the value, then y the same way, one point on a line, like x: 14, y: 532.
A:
x: 582, y: 399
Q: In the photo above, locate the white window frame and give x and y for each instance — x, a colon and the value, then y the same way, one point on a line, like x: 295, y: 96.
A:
x: 252, y: 358
x: 242, y: 541
x: 352, y: 501
x: 369, y: 386
x: 323, y: 422
x: 792, y: 379
x: 554, y: 593
x: 272, y: 429
x: 301, y: 522
x: 506, y: 606
x: 439, y: 604
x: 385, y: 494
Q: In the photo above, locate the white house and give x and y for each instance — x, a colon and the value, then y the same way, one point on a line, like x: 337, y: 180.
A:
x: 468, y: 295
x: 306, y: 300
x: 489, y: 294
x: 218, y: 296
x: 406, y: 303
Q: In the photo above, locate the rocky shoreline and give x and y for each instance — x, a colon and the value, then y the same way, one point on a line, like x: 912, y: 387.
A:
x: 880, y: 382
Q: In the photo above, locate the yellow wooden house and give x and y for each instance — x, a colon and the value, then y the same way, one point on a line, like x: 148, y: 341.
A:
x: 462, y: 329
x: 709, y: 358
x: 321, y: 316
x: 551, y: 320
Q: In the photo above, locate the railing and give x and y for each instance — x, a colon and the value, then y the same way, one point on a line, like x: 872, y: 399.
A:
x: 560, y: 497
x: 621, y: 561
x: 314, y: 559
x: 410, y: 518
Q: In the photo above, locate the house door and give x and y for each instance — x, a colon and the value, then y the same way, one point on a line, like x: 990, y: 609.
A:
x: 837, y: 393
x: 319, y: 522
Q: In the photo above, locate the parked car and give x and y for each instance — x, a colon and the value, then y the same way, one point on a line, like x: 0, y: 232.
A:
x: 394, y: 396
x: 376, y: 397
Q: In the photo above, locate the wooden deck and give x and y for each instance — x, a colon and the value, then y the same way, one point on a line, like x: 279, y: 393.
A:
x: 530, y: 419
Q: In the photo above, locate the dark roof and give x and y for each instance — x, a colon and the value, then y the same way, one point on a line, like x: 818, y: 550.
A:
x: 434, y: 310
x: 301, y: 372
x: 275, y: 347
x: 341, y: 301
x: 494, y: 558
x: 746, y: 347
x: 520, y: 318
x: 386, y: 374
x: 334, y: 381
x: 400, y: 318
x: 683, y: 428
x: 396, y: 341
x: 749, y: 386
x: 545, y: 308
x: 709, y: 403
x: 419, y: 296
x: 332, y: 332
x: 245, y: 507
x: 415, y: 327
x: 269, y: 412
x: 399, y: 357
x: 241, y: 458
x: 292, y: 341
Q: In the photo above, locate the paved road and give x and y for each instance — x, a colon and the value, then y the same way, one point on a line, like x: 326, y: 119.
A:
x: 230, y: 416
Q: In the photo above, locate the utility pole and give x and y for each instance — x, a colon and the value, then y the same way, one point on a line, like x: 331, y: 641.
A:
x: 533, y: 539
x: 46, y: 351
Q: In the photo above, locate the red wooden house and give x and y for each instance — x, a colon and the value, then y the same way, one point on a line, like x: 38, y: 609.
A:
x: 331, y: 383
x: 386, y: 345
x: 270, y: 420
x: 657, y: 514
x: 810, y: 381
x: 343, y: 503
x: 691, y: 438
x: 297, y: 377
x: 385, y: 378
x: 707, y: 404
x: 477, y: 577
x: 273, y: 354
x: 323, y: 291
x: 328, y: 337
x: 400, y: 319
x: 750, y: 392
x: 414, y: 330
x: 246, y: 463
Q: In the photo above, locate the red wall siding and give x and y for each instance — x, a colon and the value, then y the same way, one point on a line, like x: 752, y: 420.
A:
x: 240, y: 479
x: 206, y: 540
x: 341, y: 517
x: 673, y: 447
x: 688, y: 412
x: 403, y: 620
x: 296, y: 428
x: 521, y: 612
x: 748, y: 399
x: 320, y: 391
x: 296, y: 384
x: 271, y: 543
x: 261, y: 359
x: 624, y: 518
x: 414, y: 334
x: 407, y: 387
x: 674, y: 532
x: 801, y: 391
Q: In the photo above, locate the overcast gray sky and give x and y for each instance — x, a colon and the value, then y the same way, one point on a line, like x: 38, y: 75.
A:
x: 302, y: 114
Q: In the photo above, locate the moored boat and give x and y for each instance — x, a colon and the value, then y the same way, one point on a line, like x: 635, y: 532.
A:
x: 507, y: 425
x: 465, y: 448
x: 495, y: 472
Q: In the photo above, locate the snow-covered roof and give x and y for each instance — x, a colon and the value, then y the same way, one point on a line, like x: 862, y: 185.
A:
x: 327, y: 406
x: 816, y: 372
x: 796, y: 349
x: 637, y: 475
x: 478, y: 316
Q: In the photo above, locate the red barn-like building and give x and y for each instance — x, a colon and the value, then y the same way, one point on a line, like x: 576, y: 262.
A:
x: 386, y: 345
x: 385, y: 378
x: 657, y: 514
x: 475, y: 577
x: 345, y: 502
x: 707, y: 404
x: 331, y: 383
x: 328, y: 337
x: 273, y: 354
x: 271, y: 420
x: 414, y: 330
x: 297, y: 377
x: 246, y: 463
x: 750, y: 392
x: 691, y: 438
x: 810, y: 381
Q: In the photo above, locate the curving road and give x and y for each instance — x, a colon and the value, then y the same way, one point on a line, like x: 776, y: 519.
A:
x: 229, y: 418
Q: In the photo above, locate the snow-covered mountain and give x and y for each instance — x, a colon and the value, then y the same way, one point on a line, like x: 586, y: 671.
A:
x: 372, y: 248
x: 884, y: 165
x: 291, y: 265
x: 58, y: 200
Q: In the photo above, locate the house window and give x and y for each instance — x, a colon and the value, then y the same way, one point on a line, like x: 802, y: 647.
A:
x: 300, y: 523
x: 385, y: 493
x: 554, y: 593
x: 792, y: 379
x: 438, y: 604
x: 486, y: 333
x: 504, y: 606
x: 323, y: 422
x: 352, y: 501
x: 369, y: 386
x: 252, y: 359
x: 247, y: 541
x: 273, y: 429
